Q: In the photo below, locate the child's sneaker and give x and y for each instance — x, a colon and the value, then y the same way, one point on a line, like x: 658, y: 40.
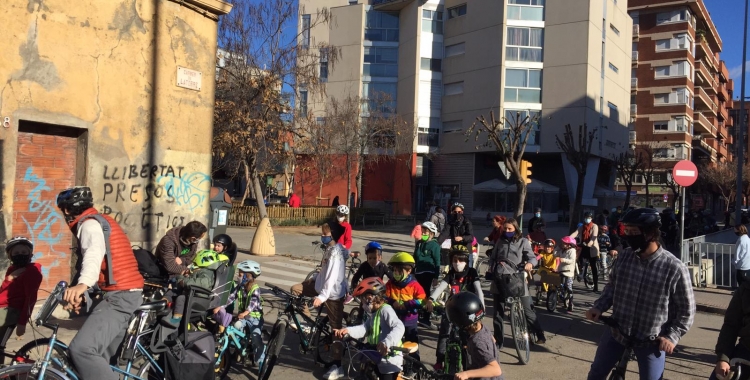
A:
x: 348, y: 299
x: 334, y: 373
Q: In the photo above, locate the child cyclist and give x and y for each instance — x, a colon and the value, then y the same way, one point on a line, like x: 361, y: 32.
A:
x: 373, y: 267
x: 203, y: 276
x: 461, y: 278
x: 567, y: 266
x: 382, y: 331
x: 547, y: 261
x: 605, y: 244
x: 405, y: 295
x: 465, y: 310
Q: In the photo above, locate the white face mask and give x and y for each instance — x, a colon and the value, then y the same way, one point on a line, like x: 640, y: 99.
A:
x: 587, y: 220
x: 341, y: 218
x: 459, y: 267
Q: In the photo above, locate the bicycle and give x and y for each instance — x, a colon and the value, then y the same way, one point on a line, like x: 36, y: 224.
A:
x: 555, y: 292
x: 232, y: 344
x: 62, y: 368
x: 455, y: 349
x: 519, y: 330
x: 618, y: 373
x: 318, y: 250
x: 351, y: 267
x: 367, y: 361
x: 735, y: 368
x: 316, y: 336
x: 482, y: 265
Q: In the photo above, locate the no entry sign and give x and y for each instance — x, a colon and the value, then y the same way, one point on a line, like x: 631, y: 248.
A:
x: 685, y: 173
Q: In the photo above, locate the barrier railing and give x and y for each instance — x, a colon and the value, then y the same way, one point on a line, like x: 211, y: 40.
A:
x: 248, y: 216
x: 710, y: 264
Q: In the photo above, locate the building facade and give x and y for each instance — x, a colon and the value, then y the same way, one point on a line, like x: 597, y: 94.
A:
x: 446, y: 62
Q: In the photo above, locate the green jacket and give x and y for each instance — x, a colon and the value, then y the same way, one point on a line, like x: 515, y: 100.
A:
x: 427, y: 257
x: 736, y: 324
x: 202, y: 277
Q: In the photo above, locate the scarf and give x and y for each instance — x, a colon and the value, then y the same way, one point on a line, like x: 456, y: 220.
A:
x: 587, y: 232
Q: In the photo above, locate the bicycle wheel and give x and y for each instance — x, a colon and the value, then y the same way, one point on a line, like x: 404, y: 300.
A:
x: 224, y: 360
x: 36, y: 350
x: 552, y: 300
x: 24, y: 371
x: 323, y: 342
x: 452, y: 363
x: 142, y: 368
x: 520, y: 333
x: 483, y: 266
x: 312, y: 274
x: 278, y: 334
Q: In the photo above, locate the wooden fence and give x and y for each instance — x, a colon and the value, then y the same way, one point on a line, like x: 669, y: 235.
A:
x: 248, y: 216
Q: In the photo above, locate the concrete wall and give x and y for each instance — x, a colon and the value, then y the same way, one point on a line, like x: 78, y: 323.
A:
x: 105, y: 73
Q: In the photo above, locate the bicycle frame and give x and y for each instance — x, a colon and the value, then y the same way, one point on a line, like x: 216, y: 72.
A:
x: 234, y: 336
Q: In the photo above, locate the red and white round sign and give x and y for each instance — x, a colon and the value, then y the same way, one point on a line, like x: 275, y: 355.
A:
x: 685, y: 173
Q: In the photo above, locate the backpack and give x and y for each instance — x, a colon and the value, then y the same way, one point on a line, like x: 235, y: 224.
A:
x: 148, y: 265
x: 192, y: 361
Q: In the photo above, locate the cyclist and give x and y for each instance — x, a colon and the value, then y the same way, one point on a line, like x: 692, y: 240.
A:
x: 250, y: 303
x: 605, y: 245
x: 382, y: 331
x: 341, y: 230
x: 373, y: 267
x: 202, y: 274
x: 461, y: 278
x: 736, y: 325
x: 567, y: 266
x: 177, y: 249
x: 497, y: 230
x: 466, y: 310
x: 650, y: 294
x: 107, y: 260
x: 588, y: 233
x: 510, y: 251
x: 427, y: 258
x: 459, y: 228
x: 20, y: 285
x: 223, y: 244
x: 405, y: 295
x: 537, y: 223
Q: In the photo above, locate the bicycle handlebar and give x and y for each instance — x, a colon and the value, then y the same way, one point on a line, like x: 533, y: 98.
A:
x: 611, y: 322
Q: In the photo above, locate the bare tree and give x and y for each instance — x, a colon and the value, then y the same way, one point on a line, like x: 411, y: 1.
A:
x: 315, y: 142
x: 722, y: 178
x: 577, y: 150
x: 509, y: 138
x: 649, y: 165
x: 627, y: 165
x: 261, y: 60
x: 674, y: 187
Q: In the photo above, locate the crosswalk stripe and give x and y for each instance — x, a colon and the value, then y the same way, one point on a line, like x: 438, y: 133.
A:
x: 283, y: 284
x: 285, y: 273
x: 287, y: 266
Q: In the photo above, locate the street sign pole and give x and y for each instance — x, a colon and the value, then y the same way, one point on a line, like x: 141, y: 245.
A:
x: 684, y: 173
x: 683, y: 209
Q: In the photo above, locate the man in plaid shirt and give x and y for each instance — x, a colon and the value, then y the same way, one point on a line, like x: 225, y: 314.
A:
x: 651, y: 299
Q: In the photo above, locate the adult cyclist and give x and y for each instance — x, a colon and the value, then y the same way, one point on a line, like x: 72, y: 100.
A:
x: 651, y: 296
x: 459, y: 230
x: 107, y: 260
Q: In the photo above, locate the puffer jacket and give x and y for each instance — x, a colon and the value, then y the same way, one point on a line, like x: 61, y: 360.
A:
x: 201, y: 277
x: 456, y: 228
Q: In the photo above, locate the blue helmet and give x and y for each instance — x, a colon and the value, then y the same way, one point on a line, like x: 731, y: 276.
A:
x: 373, y: 245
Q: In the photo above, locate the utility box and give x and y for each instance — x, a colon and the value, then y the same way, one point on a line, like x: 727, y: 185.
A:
x: 221, y: 204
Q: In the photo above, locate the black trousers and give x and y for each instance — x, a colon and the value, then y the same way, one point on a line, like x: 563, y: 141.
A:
x: 742, y: 276
x: 532, y: 322
x: 425, y: 279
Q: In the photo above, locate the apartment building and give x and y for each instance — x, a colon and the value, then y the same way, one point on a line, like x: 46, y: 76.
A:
x: 681, y: 91
x: 446, y: 62
x: 734, y: 113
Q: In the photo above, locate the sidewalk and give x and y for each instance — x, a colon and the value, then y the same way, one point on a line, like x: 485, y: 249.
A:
x: 711, y: 300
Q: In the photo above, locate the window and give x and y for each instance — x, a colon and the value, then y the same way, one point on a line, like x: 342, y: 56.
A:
x: 613, y: 68
x: 320, y: 120
x: 661, y: 126
x: 681, y: 41
x: 673, y: 16
x: 614, y: 29
x: 532, y: 10
x: 678, y: 96
x: 452, y: 126
x: 456, y: 11
x: 678, y: 69
x: 455, y: 88
x: 381, y: 26
x: 661, y: 98
x: 638, y: 178
x: 524, y: 44
x: 305, y: 31
x: 432, y: 64
x: 523, y: 85
x: 303, y: 102
x: 516, y: 116
x: 455, y: 49
x: 614, y: 114
x: 381, y: 96
x: 432, y: 21
x: 381, y: 62
x: 324, y: 65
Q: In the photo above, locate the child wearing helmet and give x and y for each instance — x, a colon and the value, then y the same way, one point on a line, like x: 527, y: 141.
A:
x: 547, y: 260
x: 20, y: 284
x: 567, y: 267
x: 465, y: 310
x: 427, y: 261
x: 373, y: 267
x: 202, y: 274
x: 405, y: 295
x: 605, y: 244
x: 223, y: 244
x: 341, y: 230
x: 381, y: 332
x: 461, y: 278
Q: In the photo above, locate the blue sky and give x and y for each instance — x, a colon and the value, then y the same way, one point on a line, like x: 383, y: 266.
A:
x: 727, y: 15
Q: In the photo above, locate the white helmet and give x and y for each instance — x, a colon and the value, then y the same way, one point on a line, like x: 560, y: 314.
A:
x: 430, y: 226
x: 342, y: 210
x: 249, y: 266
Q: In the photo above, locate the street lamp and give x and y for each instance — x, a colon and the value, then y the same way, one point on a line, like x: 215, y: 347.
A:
x: 740, y: 130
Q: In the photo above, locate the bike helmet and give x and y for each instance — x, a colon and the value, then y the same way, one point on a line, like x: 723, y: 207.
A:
x: 249, y: 266
x: 605, y: 228
x: 430, y: 226
x: 370, y: 285
x: 402, y: 258
x: 224, y: 240
x: 459, y: 250
x: 373, y: 245
x: 342, y: 210
x: 16, y: 240
x: 205, y: 257
x: 549, y: 243
x: 588, y: 214
x: 75, y: 199
x: 464, y: 309
x: 223, y: 257
x: 569, y: 240
x: 461, y: 206
x: 642, y: 217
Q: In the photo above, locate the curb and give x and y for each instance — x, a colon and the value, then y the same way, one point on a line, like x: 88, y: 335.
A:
x: 710, y: 309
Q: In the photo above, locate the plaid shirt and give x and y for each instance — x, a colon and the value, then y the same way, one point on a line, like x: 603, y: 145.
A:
x: 649, y: 297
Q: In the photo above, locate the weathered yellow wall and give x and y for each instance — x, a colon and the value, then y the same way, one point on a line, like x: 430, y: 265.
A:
x: 88, y: 64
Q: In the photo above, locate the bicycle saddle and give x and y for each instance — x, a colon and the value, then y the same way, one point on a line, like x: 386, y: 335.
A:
x: 411, y: 347
x: 153, y: 306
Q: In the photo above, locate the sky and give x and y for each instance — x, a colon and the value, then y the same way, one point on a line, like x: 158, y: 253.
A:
x: 727, y: 15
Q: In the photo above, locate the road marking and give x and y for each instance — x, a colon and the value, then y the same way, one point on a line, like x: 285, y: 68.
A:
x: 685, y: 173
x: 287, y: 266
x: 280, y: 283
x: 285, y: 273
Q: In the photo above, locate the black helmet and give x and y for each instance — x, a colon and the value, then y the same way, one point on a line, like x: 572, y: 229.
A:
x: 75, y: 200
x: 464, y: 309
x: 588, y: 214
x: 549, y: 243
x: 18, y: 240
x: 459, y: 250
x: 642, y: 217
x: 223, y: 239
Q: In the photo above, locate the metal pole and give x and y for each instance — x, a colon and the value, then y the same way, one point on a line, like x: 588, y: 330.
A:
x: 682, y: 223
x: 741, y: 131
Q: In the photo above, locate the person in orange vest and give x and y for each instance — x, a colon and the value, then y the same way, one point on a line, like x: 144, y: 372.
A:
x: 106, y: 260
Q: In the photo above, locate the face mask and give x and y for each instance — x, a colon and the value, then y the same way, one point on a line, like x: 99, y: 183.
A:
x: 459, y: 267
x: 325, y: 239
x: 459, y: 217
x: 587, y: 220
x: 367, y: 308
x: 637, y: 242
x: 399, y: 277
x: 537, y: 215
x: 425, y: 237
x: 509, y: 235
x: 341, y: 218
x: 245, y: 278
x: 21, y: 260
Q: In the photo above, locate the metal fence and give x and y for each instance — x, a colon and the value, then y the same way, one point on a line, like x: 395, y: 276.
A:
x: 710, y: 264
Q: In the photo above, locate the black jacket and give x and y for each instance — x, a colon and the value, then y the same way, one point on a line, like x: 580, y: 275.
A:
x: 366, y: 271
x: 536, y: 223
x: 456, y: 228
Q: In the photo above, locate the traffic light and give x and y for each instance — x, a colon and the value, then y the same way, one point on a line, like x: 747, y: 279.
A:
x: 525, y: 172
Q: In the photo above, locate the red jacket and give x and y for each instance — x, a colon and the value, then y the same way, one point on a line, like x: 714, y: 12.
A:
x: 294, y: 201
x: 346, y: 238
x: 20, y: 294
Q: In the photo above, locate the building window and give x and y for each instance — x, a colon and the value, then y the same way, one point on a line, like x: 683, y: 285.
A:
x: 305, y: 31
x: 613, y: 68
x: 455, y: 49
x: 532, y: 10
x: 534, y: 118
x: 614, y: 114
x: 678, y: 96
x: 380, y: 96
x: 303, y: 102
x: 455, y: 88
x: 661, y: 126
x: 524, y: 44
x: 324, y: 65
x: 432, y: 21
x: 456, y: 11
x: 523, y: 85
x: 673, y: 16
x: 432, y: 64
x: 381, y: 62
x: 320, y: 120
x: 381, y: 26
x: 678, y: 69
x: 681, y: 41
x: 614, y: 29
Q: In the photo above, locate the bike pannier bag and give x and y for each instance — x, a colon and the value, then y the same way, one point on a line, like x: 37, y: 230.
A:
x: 193, y: 361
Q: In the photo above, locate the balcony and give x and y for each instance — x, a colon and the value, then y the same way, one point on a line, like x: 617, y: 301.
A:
x: 428, y: 139
x: 670, y: 155
x: 721, y: 131
x: 703, y: 50
x: 702, y: 125
x: 390, y: 5
x: 704, y: 74
x: 723, y: 72
x: 632, y: 137
x: 633, y: 109
x: 633, y: 82
x: 636, y: 30
x: 722, y: 114
x: 635, y: 55
x: 703, y: 101
x: 723, y: 93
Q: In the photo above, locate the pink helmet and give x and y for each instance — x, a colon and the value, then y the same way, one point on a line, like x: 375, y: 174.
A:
x: 569, y: 240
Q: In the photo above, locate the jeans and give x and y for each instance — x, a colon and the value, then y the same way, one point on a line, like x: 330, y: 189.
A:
x: 532, y: 322
x: 254, y: 326
x: 740, y: 351
x: 650, y: 359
